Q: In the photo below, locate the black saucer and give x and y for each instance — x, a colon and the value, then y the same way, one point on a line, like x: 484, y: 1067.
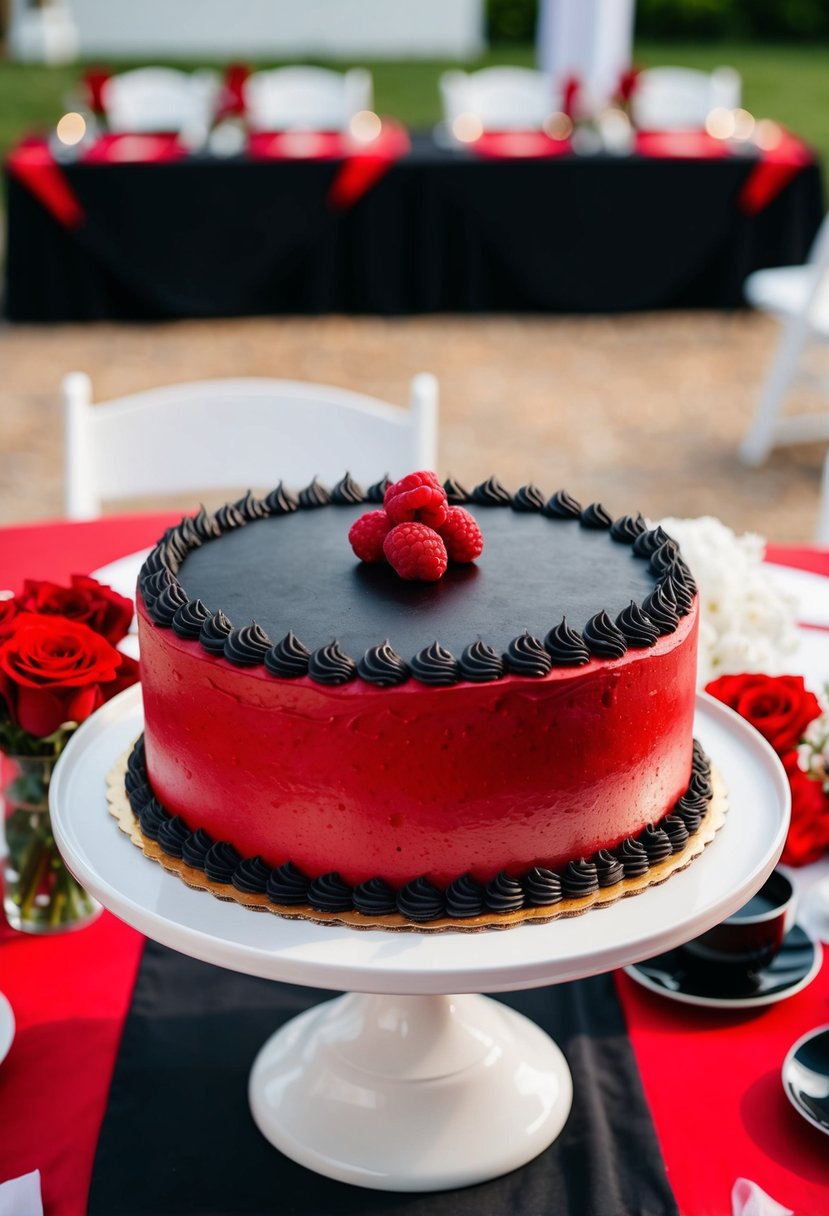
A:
x: 676, y: 976
x: 805, y: 1077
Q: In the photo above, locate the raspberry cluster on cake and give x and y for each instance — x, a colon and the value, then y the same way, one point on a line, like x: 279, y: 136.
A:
x: 329, y: 738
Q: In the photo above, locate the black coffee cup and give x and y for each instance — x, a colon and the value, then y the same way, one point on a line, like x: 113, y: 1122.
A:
x: 750, y: 938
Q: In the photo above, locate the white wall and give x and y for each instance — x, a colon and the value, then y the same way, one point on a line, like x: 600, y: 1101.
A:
x: 222, y: 29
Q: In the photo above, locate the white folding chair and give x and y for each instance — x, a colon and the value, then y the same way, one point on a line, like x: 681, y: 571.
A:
x: 231, y: 434
x: 306, y: 98
x: 502, y: 98
x: 161, y: 99
x: 680, y: 99
x: 799, y: 297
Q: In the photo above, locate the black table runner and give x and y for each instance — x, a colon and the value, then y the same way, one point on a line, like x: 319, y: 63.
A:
x: 440, y: 232
x: 178, y: 1138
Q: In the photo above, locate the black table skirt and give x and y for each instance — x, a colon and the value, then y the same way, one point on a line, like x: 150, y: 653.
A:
x: 439, y: 232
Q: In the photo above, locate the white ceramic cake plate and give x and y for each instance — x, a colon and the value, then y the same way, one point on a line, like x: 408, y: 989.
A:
x: 400, y: 1085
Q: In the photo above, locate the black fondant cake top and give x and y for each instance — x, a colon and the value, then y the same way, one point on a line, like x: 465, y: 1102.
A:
x: 552, y: 585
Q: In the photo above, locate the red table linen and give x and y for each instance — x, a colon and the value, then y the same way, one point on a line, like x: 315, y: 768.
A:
x: 366, y: 164
x: 711, y: 1078
x: 34, y: 166
x: 727, y: 1089
x: 296, y: 145
x: 712, y: 1081
x: 362, y: 164
x: 70, y: 993
x: 773, y: 171
x: 695, y: 145
x: 801, y: 557
x: 519, y: 145
x: 140, y: 147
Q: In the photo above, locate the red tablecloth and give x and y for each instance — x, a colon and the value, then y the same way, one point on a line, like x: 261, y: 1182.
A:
x: 70, y: 993
x: 711, y: 1079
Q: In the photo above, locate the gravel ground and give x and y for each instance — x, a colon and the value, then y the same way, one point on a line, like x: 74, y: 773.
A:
x: 642, y: 411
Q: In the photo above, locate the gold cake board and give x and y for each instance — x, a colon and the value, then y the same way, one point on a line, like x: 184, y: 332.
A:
x: 711, y: 823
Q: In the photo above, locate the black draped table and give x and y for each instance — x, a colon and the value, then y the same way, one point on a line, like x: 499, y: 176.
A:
x: 436, y: 231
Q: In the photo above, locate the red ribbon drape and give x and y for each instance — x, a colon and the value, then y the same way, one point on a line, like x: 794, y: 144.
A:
x: 33, y: 165
x: 365, y: 165
x: 362, y: 164
x: 772, y: 173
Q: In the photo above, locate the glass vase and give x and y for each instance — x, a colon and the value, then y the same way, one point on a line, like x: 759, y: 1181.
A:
x: 40, y: 895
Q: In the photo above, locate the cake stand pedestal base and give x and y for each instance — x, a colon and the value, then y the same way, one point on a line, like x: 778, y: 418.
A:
x: 411, y: 1093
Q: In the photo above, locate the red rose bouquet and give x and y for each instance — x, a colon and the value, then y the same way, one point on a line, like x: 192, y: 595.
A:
x: 58, y: 664
x: 792, y: 719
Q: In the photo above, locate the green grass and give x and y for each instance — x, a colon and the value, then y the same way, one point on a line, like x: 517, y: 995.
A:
x: 787, y: 82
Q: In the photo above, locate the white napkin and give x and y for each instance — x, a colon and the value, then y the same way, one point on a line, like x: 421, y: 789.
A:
x: 21, y: 1196
x: 747, y: 1199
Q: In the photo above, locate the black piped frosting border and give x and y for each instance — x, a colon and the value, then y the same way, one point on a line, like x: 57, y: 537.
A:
x: 639, y: 626
x: 420, y: 901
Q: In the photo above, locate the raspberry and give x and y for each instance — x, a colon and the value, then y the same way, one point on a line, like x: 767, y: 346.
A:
x: 366, y: 535
x: 461, y: 535
x: 420, y: 497
x: 415, y: 551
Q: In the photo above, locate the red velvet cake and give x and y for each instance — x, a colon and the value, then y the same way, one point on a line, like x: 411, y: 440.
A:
x: 326, y: 733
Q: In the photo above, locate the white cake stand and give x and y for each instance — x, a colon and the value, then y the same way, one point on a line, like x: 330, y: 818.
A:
x: 399, y: 1085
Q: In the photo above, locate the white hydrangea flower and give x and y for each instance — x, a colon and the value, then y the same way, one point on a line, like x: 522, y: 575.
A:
x: 813, y: 752
x: 746, y: 622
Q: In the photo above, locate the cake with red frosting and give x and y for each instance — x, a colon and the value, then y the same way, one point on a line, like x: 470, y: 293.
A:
x: 339, y: 740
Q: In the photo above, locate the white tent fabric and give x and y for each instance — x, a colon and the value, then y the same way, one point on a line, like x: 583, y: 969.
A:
x: 589, y: 39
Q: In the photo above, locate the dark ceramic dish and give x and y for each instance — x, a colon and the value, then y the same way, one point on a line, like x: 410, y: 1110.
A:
x: 750, y: 938
x: 805, y: 1077
x: 678, y: 976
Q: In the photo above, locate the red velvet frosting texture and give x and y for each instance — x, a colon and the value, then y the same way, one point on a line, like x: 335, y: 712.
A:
x: 419, y: 780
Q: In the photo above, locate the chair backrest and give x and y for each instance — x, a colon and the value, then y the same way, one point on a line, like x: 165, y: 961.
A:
x: 306, y: 98
x: 503, y: 98
x: 675, y: 99
x: 160, y: 99
x: 818, y: 255
x: 231, y: 434
x: 798, y: 295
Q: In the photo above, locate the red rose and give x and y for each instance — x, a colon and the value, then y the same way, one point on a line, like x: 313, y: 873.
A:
x: 86, y: 600
x: 54, y: 670
x: 808, y: 835
x: 8, y: 611
x: 779, y: 707
x: 126, y: 675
